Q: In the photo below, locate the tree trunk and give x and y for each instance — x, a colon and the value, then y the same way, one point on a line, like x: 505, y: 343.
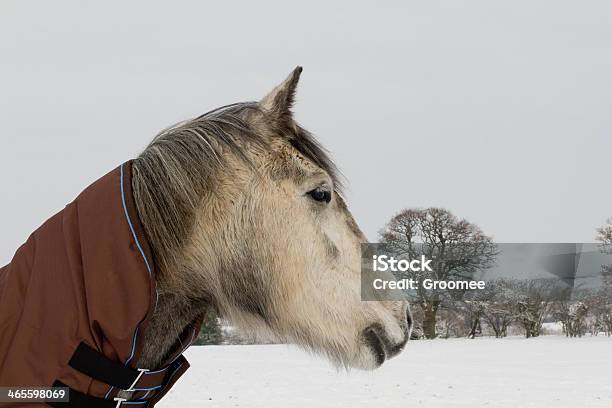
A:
x: 430, y: 309
x: 474, y: 328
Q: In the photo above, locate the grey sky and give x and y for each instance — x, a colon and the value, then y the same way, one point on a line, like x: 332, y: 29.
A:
x: 499, y: 112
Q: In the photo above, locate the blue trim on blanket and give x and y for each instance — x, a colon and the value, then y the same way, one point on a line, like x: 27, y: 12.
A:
x: 127, y: 216
x: 131, y: 226
x: 148, y: 388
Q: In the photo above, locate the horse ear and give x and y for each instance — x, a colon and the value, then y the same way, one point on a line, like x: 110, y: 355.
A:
x: 280, y: 100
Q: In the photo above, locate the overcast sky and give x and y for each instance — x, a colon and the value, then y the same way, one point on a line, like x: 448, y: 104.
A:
x: 499, y: 112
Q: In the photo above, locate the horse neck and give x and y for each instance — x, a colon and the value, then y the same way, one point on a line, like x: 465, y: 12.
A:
x: 173, y: 314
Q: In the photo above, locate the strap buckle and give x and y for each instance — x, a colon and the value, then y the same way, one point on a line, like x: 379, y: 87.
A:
x: 119, y: 401
x: 96, y: 365
x: 140, y: 374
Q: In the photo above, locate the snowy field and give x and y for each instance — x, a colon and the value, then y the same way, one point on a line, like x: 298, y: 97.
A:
x: 546, y: 372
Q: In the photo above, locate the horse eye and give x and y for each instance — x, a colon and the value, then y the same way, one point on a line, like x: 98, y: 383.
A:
x: 319, y: 194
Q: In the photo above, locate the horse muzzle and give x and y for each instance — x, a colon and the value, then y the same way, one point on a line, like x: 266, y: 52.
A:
x: 379, y: 342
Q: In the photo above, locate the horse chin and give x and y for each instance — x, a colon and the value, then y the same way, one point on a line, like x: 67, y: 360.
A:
x: 368, y: 358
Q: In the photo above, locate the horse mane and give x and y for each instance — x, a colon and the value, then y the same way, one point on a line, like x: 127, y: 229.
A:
x: 182, y: 162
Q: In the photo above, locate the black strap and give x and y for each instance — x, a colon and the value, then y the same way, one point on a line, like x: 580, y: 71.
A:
x: 80, y: 400
x: 96, y: 365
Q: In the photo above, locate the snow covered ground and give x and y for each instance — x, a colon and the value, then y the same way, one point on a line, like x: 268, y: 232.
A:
x: 546, y: 372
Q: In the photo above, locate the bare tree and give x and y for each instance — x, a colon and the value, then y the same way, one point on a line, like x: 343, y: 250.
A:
x: 600, y: 311
x: 534, y: 303
x: 607, y: 321
x: 499, y: 313
x: 457, y: 248
x: 474, y: 313
x: 604, y: 236
x: 451, y: 321
x: 499, y: 316
x: 477, y: 306
x: 573, y: 316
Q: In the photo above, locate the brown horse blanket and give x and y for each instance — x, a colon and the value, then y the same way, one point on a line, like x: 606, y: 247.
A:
x: 76, y: 299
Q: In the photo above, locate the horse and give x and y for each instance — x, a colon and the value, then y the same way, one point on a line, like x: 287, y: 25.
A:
x: 244, y: 213
x: 238, y: 212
